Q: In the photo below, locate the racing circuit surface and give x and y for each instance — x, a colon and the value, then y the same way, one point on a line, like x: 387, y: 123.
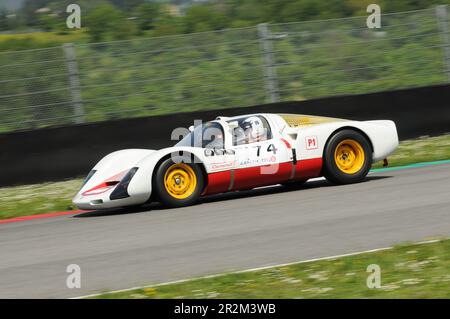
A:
x: 122, y: 249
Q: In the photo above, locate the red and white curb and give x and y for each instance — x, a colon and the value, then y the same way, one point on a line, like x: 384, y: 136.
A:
x: 40, y: 216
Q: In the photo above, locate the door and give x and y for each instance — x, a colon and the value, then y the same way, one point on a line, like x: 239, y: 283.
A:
x: 260, y: 159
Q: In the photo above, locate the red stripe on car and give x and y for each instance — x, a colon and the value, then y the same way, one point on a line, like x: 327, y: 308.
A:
x: 308, y: 168
x: 218, y: 182
x: 105, y: 185
x: 245, y: 178
x: 256, y: 176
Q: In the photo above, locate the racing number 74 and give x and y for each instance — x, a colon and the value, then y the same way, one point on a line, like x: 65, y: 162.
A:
x: 270, y: 148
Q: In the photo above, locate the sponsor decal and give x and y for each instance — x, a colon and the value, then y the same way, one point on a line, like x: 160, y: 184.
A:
x: 256, y: 161
x: 219, y: 166
x: 218, y: 152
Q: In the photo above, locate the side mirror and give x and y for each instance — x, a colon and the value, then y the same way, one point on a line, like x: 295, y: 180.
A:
x: 191, y: 128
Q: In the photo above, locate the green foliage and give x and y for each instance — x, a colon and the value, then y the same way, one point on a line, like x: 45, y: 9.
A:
x: 218, y: 14
x: 3, y: 20
x: 127, y: 5
x: 101, y: 20
x: 147, y: 15
x: 106, y: 20
x: 48, y: 22
x: 203, y: 18
x: 130, y: 18
x: 28, y: 11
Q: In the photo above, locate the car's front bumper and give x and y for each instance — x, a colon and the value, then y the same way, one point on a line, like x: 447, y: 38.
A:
x: 102, y: 201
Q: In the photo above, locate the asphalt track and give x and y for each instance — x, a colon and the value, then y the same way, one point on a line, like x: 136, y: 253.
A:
x: 121, y: 249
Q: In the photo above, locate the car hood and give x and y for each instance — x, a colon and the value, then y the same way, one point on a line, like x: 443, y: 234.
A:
x: 301, y: 120
x: 114, y: 166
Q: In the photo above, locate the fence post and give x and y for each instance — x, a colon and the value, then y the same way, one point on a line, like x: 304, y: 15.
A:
x: 442, y: 18
x: 74, y: 82
x: 270, y: 74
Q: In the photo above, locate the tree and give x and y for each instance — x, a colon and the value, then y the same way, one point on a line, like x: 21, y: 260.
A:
x: 4, y: 20
x: 146, y: 14
x: 28, y: 11
x: 124, y: 30
x: 203, y: 18
x: 48, y: 22
x: 107, y: 21
x: 127, y: 5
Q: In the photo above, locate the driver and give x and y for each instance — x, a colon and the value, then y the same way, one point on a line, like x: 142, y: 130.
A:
x: 254, y: 129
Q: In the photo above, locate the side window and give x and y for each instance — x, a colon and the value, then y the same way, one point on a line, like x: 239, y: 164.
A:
x: 213, y: 136
x: 266, y: 128
x: 251, y: 129
x: 208, y: 135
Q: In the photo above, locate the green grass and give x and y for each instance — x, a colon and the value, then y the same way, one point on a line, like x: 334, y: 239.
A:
x: 420, y: 150
x: 407, y: 271
x: 51, y: 197
x: 35, y: 40
x: 38, y: 198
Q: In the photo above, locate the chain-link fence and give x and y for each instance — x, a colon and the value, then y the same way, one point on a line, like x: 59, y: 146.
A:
x: 221, y: 69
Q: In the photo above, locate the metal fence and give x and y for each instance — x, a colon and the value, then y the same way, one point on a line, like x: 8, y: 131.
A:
x: 221, y: 69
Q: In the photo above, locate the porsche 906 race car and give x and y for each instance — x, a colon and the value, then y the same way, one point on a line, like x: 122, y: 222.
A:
x: 239, y: 153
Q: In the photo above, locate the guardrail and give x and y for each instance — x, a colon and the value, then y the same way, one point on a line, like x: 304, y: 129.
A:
x: 66, y: 152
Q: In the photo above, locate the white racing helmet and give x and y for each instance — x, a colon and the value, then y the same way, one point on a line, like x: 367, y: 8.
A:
x: 253, y: 128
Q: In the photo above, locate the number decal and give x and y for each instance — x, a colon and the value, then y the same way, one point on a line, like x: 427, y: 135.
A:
x: 258, y: 151
x: 272, y: 148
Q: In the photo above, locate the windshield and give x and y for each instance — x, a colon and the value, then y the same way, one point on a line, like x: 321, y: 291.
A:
x: 207, y: 135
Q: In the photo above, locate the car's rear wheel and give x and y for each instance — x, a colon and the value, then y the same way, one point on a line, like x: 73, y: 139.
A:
x: 178, y: 183
x: 347, y: 157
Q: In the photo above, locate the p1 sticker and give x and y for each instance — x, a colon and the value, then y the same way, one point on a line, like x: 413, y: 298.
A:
x: 311, y: 142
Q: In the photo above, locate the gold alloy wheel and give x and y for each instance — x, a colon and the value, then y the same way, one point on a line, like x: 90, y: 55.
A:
x: 180, y: 181
x: 349, y: 156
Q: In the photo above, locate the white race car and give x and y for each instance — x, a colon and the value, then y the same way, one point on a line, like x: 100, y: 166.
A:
x: 239, y: 153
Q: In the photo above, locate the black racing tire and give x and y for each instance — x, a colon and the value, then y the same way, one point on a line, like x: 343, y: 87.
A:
x: 347, y: 157
x: 171, y: 189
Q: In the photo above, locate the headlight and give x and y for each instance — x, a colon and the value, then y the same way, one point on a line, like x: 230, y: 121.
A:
x: 121, y: 190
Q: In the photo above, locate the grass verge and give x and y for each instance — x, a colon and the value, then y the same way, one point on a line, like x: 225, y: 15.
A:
x: 52, y: 197
x: 38, y: 198
x: 425, y: 149
x: 407, y: 271
x: 34, y: 40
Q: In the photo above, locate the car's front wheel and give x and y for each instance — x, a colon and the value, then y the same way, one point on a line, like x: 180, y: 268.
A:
x: 178, y: 183
x: 347, y: 157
